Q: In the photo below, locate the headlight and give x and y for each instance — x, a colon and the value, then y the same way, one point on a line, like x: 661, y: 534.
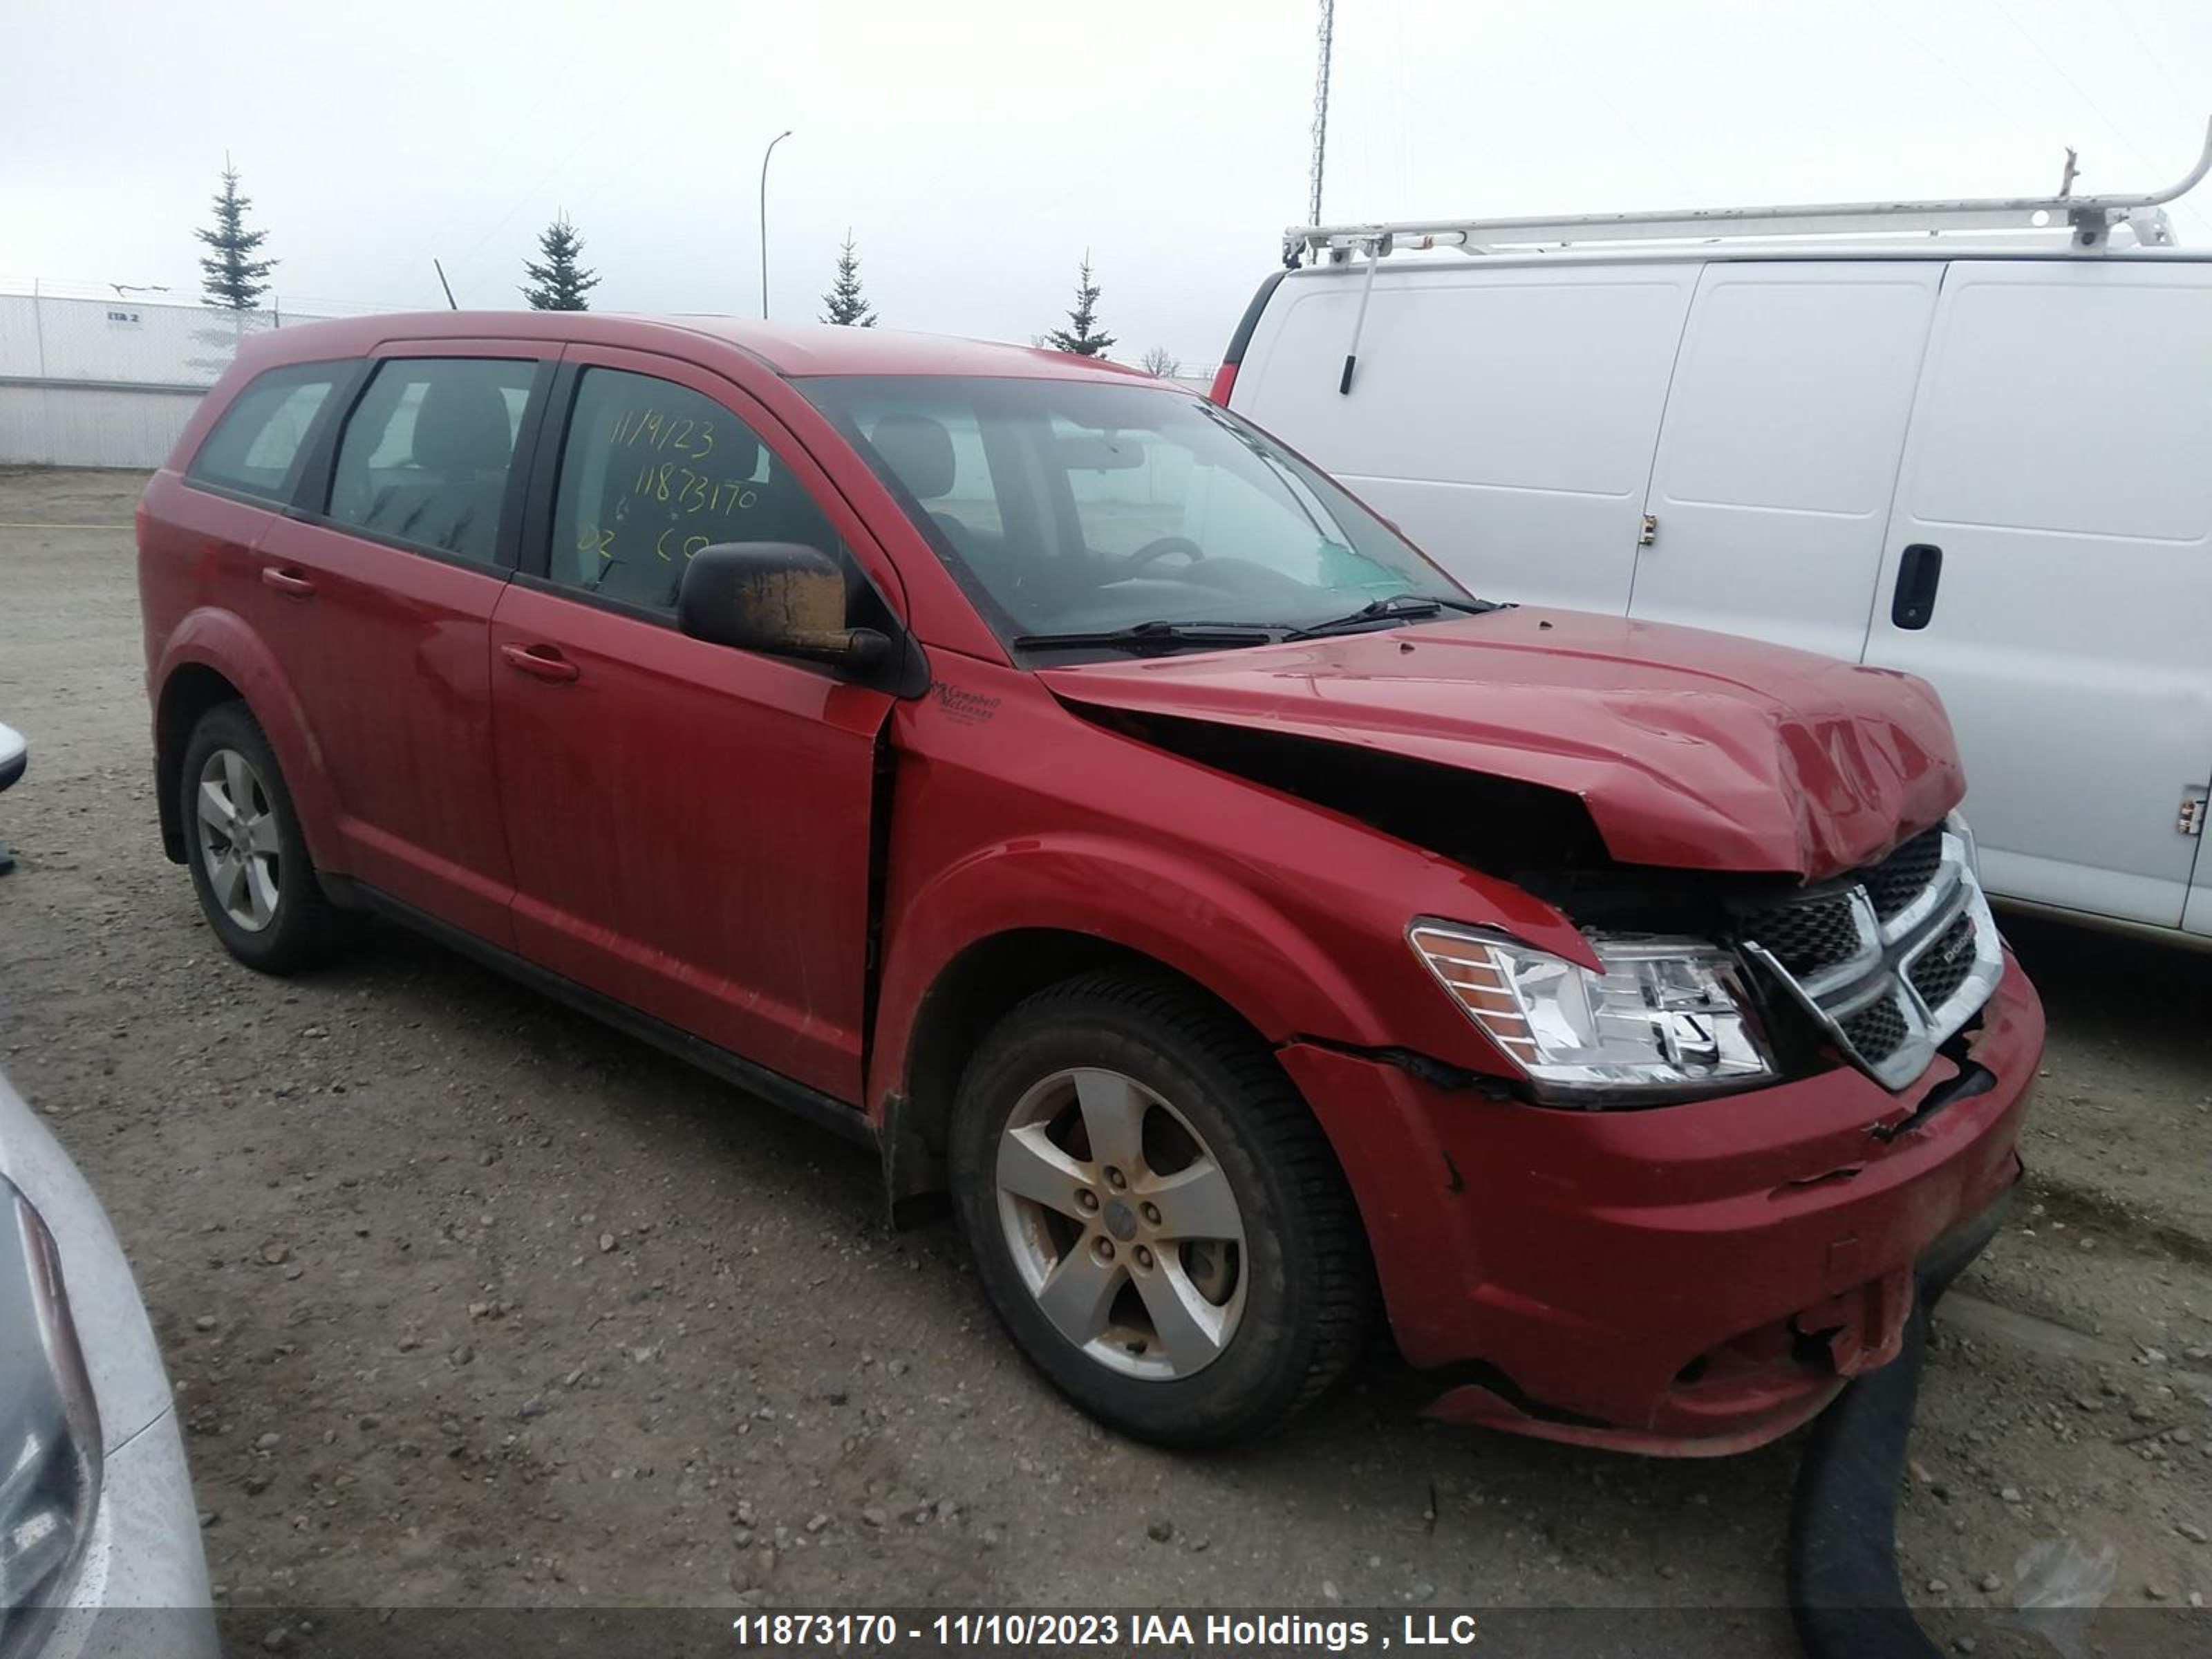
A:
x: 1667, y: 1016
x: 49, y: 1447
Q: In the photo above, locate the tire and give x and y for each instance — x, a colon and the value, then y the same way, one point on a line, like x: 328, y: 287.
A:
x: 1185, y: 1323
x: 268, y: 909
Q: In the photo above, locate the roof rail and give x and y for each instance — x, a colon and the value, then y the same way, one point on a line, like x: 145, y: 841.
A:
x: 2093, y: 219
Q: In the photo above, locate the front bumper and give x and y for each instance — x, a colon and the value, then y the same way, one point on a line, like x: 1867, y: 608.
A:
x: 1692, y: 1280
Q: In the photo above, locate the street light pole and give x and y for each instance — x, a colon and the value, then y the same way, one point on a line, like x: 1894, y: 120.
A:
x: 765, y: 154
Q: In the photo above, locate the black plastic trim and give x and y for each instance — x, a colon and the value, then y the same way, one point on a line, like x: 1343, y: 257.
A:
x: 839, y: 1116
x: 520, y: 468
x: 883, y: 786
x: 311, y: 490
x: 1249, y: 324
x: 1919, y: 573
x: 1846, y: 1597
x: 537, y: 532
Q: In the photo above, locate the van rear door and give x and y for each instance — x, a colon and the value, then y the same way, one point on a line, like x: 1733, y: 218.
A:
x: 2056, y: 484
x: 1503, y: 415
x: 1778, y: 455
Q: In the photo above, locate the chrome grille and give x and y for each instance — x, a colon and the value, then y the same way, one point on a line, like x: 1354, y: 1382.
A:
x: 1877, y: 1029
x: 1809, y: 936
x: 1891, y: 960
x: 1943, y: 970
x: 1904, y: 874
x: 1817, y: 930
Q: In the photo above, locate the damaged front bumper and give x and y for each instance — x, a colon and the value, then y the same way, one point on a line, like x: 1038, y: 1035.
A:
x: 1687, y: 1280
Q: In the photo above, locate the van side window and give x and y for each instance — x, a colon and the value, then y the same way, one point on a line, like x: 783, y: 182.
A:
x: 425, y: 455
x: 650, y: 473
x: 261, y: 436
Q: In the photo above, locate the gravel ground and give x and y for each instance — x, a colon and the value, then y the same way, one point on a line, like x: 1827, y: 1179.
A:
x: 469, y: 1302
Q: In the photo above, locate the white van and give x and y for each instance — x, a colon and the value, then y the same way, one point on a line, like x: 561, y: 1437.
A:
x: 1988, y: 463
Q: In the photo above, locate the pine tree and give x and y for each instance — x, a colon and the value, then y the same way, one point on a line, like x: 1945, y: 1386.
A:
x: 1082, y: 338
x: 560, y: 283
x: 232, y: 277
x: 844, y: 301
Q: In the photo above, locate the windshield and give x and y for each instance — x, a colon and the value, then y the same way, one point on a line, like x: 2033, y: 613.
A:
x: 1077, y: 507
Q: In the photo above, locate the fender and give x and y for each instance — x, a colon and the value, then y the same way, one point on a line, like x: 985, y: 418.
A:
x: 1216, y: 933
x: 1290, y: 986
x: 221, y: 639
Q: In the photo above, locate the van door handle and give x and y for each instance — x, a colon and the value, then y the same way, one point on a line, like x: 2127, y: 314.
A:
x: 1918, y: 573
x: 287, y: 581
x: 541, y: 661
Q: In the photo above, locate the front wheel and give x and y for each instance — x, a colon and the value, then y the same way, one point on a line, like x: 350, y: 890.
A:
x: 1154, y: 1213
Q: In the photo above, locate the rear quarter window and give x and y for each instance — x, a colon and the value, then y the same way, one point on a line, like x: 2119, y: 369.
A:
x: 261, y: 437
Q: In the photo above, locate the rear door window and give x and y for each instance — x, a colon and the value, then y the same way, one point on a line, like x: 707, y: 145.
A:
x: 262, y: 436
x: 425, y: 456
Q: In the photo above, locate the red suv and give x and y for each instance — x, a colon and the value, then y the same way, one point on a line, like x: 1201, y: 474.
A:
x: 1040, y: 775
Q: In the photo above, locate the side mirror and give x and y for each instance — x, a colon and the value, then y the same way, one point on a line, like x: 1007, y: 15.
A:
x: 779, y: 599
x: 14, y: 754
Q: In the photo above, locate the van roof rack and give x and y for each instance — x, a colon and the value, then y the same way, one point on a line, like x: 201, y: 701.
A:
x: 2093, y: 219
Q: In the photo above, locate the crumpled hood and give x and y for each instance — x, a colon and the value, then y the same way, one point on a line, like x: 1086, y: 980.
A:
x: 1691, y: 750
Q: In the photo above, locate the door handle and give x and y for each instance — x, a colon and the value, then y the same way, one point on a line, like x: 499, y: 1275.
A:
x: 541, y: 661
x: 1917, y: 574
x: 287, y: 581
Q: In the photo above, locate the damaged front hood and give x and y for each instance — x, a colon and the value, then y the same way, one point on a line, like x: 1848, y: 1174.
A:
x: 1691, y: 750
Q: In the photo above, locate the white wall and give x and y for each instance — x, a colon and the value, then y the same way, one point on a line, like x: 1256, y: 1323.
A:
x: 94, y: 382
x: 46, y: 424
x: 58, y: 337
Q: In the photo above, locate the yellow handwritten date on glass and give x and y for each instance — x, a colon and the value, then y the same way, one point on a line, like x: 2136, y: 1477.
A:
x: 655, y: 429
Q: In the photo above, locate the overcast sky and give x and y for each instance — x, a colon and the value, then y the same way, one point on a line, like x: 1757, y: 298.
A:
x: 977, y: 148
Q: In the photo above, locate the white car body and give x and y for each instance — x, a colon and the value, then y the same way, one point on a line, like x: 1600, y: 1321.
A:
x: 1753, y: 439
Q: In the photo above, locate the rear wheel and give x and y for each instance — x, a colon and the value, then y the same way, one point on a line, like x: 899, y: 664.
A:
x: 248, y: 859
x: 1154, y: 1213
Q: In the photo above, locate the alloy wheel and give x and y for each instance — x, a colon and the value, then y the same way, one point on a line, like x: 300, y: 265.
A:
x: 239, y: 844
x: 1122, y: 1223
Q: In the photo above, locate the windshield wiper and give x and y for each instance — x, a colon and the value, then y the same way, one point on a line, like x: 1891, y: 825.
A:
x: 1150, y: 636
x: 1397, y: 606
